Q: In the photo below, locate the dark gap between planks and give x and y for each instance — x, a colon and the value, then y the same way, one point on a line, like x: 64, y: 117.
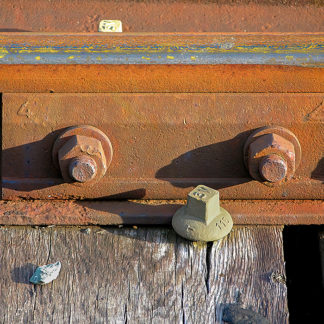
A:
x: 304, y: 274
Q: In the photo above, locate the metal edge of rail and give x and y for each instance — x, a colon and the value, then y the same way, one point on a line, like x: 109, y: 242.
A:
x: 156, y: 212
x: 295, y: 49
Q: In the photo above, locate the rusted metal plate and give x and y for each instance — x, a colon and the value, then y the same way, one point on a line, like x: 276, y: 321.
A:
x: 296, y: 49
x: 244, y: 212
x: 164, y: 15
x: 164, y: 144
x: 160, y: 78
x: 210, y: 62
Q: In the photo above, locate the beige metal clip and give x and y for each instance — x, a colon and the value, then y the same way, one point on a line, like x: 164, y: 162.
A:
x: 110, y: 26
x: 202, y: 218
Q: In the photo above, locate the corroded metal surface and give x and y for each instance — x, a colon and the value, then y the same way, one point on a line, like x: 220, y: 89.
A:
x: 83, y: 169
x: 154, y: 212
x: 85, y: 142
x: 272, y: 154
x: 160, y: 78
x: 164, y: 144
x: 273, y: 168
x: 296, y: 49
x: 191, y: 139
x: 163, y: 15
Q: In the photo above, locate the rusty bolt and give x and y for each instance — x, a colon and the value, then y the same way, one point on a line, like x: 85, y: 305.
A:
x: 271, y: 158
x: 82, y: 159
x: 273, y: 168
x: 83, y: 154
x: 83, y: 168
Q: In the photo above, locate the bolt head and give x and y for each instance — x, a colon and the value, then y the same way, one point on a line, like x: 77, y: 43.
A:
x: 82, y: 160
x: 271, y: 158
x: 83, y: 169
x: 273, y: 168
x: 203, y: 202
x: 202, y: 219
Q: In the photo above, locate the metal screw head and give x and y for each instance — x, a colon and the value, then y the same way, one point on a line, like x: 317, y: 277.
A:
x: 203, y: 202
x: 273, y: 168
x: 272, y: 154
x: 82, y: 160
x: 82, y: 154
x: 202, y: 219
x: 271, y: 158
x: 83, y: 168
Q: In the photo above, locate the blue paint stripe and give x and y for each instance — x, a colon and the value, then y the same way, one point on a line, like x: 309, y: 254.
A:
x: 299, y: 59
x: 311, y: 54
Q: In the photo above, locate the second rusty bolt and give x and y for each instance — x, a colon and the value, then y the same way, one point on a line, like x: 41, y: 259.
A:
x: 83, y: 168
x: 83, y: 154
x: 273, y: 168
x: 272, y: 154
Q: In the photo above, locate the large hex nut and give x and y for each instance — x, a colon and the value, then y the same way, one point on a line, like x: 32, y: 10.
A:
x: 271, y: 158
x: 82, y: 160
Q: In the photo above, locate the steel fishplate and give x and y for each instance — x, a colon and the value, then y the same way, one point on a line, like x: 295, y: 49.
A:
x: 242, y: 114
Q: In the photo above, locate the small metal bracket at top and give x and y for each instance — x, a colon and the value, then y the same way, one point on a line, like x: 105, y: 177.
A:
x: 110, y: 26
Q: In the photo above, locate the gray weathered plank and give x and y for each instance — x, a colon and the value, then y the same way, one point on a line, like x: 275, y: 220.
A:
x: 145, y: 275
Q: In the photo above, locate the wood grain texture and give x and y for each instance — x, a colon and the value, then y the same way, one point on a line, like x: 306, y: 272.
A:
x: 144, y: 275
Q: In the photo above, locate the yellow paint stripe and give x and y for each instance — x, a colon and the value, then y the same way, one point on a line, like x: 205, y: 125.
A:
x: 166, y: 48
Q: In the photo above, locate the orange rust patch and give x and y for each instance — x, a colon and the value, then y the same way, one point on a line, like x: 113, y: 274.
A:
x: 263, y: 212
x: 160, y: 78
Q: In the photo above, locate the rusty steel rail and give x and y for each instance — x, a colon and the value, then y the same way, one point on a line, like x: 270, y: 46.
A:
x: 76, y: 78
x: 173, y: 64
x: 297, y: 49
x: 163, y: 144
x: 244, y: 212
x: 164, y: 15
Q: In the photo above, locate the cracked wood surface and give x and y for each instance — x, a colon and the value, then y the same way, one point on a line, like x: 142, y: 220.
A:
x: 144, y: 275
